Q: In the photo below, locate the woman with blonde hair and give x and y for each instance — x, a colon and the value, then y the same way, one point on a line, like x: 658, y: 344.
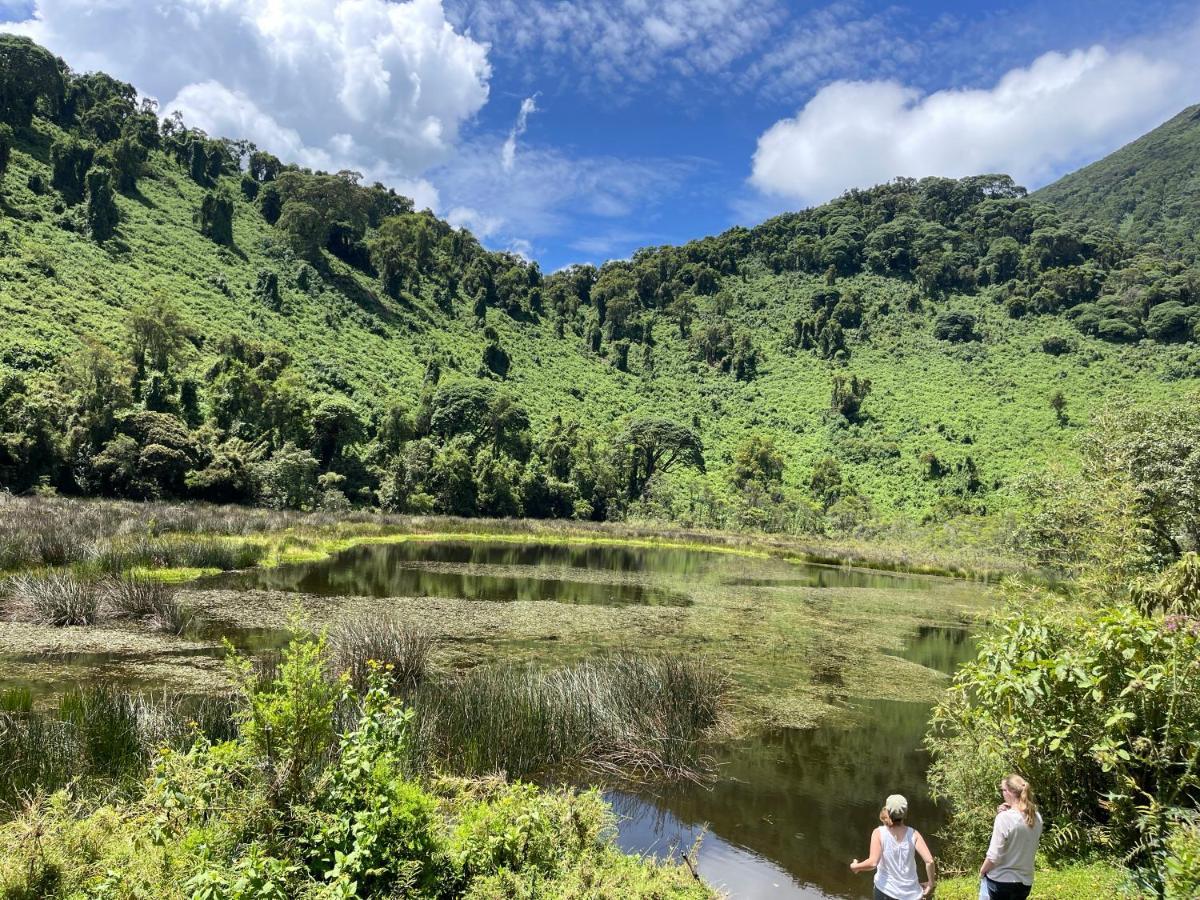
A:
x: 1007, y: 870
x: 894, y: 849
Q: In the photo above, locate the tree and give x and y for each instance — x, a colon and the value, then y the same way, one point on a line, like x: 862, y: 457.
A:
x: 848, y: 395
x: 158, y: 333
x: 495, y: 358
x: 216, y: 217
x: 6, y: 140
x: 288, y: 480
x: 70, y: 159
x: 29, y: 74
x: 649, y: 447
x: 1058, y: 403
x: 303, y: 229
x: 336, y: 424
x: 757, y: 461
x: 826, y: 484
x: 102, y: 213
x: 270, y: 203
x: 955, y: 327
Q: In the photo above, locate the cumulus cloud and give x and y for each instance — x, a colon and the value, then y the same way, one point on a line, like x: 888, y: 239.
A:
x: 1035, y: 122
x: 377, y: 86
x: 508, y: 152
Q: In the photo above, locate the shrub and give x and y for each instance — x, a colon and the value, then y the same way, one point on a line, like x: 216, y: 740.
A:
x: 1182, y: 862
x: 54, y: 598
x: 1100, y: 711
x: 955, y: 327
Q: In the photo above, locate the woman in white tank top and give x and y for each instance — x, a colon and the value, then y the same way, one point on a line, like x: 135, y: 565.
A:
x: 894, y: 849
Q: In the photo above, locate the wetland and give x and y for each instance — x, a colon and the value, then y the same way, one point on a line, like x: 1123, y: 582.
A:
x: 831, y: 670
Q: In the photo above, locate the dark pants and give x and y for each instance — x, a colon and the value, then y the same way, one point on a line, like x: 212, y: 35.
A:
x: 1007, y: 890
x: 880, y: 895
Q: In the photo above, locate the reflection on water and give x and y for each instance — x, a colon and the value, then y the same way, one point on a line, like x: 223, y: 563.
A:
x: 417, y: 569
x: 793, y: 807
x: 443, y: 569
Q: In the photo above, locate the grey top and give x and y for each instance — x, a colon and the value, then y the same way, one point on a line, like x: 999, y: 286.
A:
x: 1013, y: 847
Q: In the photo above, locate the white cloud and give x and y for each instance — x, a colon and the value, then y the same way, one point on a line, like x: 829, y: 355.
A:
x: 1060, y: 111
x: 545, y: 191
x: 377, y: 86
x: 508, y: 151
x: 623, y: 41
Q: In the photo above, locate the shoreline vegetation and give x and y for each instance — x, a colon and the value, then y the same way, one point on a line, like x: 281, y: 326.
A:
x: 236, y: 537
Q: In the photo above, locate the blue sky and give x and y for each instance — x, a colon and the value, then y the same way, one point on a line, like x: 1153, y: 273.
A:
x: 579, y: 130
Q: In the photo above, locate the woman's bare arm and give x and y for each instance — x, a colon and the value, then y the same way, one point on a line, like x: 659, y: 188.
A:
x: 930, y: 865
x: 873, y: 860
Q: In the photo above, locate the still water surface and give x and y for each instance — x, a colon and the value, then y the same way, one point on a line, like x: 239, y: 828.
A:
x: 793, y: 807
x: 790, y: 808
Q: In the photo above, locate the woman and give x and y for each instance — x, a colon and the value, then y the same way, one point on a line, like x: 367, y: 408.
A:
x: 1007, y: 870
x: 894, y: 849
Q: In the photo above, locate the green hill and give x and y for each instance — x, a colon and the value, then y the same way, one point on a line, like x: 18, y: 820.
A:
x: 1148, y: 190
x: 187, y: 316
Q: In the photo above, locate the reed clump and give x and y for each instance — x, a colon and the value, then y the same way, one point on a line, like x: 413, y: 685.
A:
x: 52, y: 598
x: 402, y: 649
x: 149, y: 601
x: 623, y: 716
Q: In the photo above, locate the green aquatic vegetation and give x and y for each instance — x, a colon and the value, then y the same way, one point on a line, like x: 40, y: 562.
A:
x: 623, y: 716
x: 216, y: 818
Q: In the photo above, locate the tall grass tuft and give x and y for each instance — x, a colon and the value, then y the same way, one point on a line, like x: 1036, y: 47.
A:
x: 99, y: 733
x: 629, y: 717
x: 53, y: 598
x: 150, y: 601
x: 354, y: 642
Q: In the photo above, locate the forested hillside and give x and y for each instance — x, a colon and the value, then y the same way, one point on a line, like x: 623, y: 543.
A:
x: 1148, y: 190
x: 184, y: 315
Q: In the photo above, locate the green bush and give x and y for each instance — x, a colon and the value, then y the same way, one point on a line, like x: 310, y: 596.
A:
x: 1100, y: 711
x: 1182, y: 862
x: 1083, y: 881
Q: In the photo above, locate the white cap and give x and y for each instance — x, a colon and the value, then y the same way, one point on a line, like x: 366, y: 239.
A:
x: 896, y: 805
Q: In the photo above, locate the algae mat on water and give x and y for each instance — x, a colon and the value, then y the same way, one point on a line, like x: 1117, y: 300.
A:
x: 800, y: 642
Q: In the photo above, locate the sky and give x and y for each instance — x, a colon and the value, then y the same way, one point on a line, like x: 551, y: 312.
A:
x: 579, y: 130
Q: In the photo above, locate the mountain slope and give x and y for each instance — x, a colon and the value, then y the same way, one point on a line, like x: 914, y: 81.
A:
x: 251, y: 331
x: 1149, y: 189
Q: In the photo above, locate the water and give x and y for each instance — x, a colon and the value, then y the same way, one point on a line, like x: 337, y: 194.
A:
x: 452, y: 570
x: 792, y: 807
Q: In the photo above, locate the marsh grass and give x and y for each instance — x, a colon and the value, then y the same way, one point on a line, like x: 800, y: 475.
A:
x: 149, y: 600
x: 403, y: 648
x: 52, y: 598
x: 626, y: 717
x: 98, y: 734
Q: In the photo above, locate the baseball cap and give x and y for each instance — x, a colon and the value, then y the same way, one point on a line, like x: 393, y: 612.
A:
x: 896, y: 805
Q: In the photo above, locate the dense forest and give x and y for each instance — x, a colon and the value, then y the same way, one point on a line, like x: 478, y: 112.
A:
x: 187, y: 316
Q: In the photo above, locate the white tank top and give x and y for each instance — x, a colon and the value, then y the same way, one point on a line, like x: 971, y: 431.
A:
x: 896, y: 874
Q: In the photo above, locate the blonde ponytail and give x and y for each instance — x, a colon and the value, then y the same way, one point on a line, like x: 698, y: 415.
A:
x: 1024, y: 793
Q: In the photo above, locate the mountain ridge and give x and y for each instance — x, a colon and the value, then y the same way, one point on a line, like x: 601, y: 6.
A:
x: 190, y: 316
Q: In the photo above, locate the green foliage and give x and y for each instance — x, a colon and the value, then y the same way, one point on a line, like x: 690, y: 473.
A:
x: 216, y: 218
x: 1182, y: 862
x: 1100, y: 711
x: 6, y: 140
x: 29, y: 78
x: 70, y: 160
x: 283, y: 809
x: 1075, y: 881
x: 102, y: 214
x: 848, y: 396
x: 1142, y: 189
x: 288, y: 480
